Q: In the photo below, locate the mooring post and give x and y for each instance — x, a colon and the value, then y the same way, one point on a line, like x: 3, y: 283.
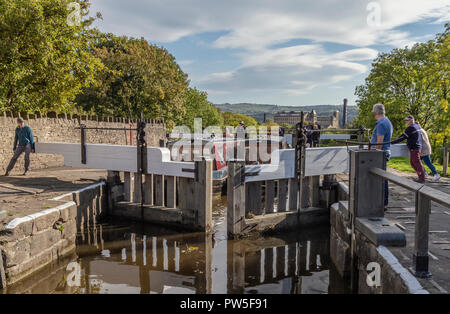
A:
x: 203, y: 193
x: 423, y: 210
x: 235, y: 197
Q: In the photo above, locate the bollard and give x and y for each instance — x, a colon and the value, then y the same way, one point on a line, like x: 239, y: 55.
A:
x: 366, y: 190
x: 420, y: 258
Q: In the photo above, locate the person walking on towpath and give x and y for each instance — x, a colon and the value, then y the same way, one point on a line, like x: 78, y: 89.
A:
x: 425, y: 155
x: 382, y: 134
x: 413, y: 139
x: 23, y: 143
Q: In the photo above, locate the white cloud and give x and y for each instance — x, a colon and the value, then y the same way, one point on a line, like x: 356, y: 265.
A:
x: 294, y: 70
x: 255, y: 27
x: 261, y: 23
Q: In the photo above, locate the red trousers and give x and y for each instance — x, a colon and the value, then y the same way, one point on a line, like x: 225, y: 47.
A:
x: 417, y: 164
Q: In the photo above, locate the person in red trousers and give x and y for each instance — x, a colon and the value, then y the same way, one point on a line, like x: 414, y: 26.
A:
x: 413, y: 138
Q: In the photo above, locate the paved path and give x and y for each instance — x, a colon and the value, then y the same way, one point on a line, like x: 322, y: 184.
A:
x: 402, y: 211
x: 24, y: 195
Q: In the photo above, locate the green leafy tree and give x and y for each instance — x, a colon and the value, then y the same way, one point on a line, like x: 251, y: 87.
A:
x: 44, y: 54
x: 411, y: 81
x: 139, y: 77
x: 197, y: 106
x: 233, y: 119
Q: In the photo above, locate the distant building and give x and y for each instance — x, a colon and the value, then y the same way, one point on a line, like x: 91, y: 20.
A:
x: 294, y: 117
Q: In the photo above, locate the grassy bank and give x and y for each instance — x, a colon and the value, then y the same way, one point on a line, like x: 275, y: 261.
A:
x: 402, y: 164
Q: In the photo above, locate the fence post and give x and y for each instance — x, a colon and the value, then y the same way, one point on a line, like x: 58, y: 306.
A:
x: 203, y: 193
x: 445, y: 161
x: 128, y: 187
x: 423, y: 208
x: 235, y: 197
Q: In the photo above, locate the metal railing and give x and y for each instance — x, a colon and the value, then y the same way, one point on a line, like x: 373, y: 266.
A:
x: 424, y: 196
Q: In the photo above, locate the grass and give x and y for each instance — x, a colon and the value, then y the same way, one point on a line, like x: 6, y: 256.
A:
x: 402, y: 164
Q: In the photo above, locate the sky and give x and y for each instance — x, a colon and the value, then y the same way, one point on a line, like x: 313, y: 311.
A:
x: 283, y: 52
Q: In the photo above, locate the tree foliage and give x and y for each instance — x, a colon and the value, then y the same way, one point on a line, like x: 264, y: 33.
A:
x: 44, y: 61
x: 197, y: 106
x: 138, y: 77
x: 411, y: 81
x: 233, y: 119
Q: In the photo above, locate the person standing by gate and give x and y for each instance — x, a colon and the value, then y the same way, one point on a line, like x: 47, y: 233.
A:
x: 382, y: 134
x: 413, y: 139
x: 316, y: 135
x: 425, y: 155
x: 23, y: 142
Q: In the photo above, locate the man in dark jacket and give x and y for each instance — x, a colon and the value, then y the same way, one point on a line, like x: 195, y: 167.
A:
x: 23, y: 142
x: 316, y: 134
x: 414, y: 142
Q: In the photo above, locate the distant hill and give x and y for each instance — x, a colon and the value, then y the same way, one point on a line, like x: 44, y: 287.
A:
x: 257, y: 110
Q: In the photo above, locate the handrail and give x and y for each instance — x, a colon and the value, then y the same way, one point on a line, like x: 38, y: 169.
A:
x: 423, y: 197
x: 403, y: 182
x: 432, y: 194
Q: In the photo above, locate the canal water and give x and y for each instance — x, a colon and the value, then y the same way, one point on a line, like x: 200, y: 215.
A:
x: 118, y: 256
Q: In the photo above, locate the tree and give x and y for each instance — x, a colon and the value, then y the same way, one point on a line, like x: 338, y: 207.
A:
x: 197, y: 106
x: 402, y: 80
x: 411, y: 81
x: 233, y: 119
x: 44, y: 59
x: 139, y: 77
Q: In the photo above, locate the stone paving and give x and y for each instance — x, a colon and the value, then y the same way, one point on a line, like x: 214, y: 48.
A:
x: 24, y: 195
x: 401, y: 211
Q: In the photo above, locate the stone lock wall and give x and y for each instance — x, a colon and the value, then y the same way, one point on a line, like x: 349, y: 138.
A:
x: 32, y: 242
x: 63, y: 128
x: 394, y: 279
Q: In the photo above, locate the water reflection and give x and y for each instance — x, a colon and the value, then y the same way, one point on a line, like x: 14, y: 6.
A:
x: 117, y: 258
x: 125, y: 257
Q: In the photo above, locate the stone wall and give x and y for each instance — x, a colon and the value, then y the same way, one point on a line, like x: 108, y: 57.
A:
x: 395, y: 279
x: 32, y: 242
x: 63, y: 128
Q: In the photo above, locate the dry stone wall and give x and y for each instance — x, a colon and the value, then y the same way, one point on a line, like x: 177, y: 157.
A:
x: 54, y: 127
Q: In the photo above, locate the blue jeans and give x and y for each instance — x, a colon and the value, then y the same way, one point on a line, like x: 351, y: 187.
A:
x: 427, y: 160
